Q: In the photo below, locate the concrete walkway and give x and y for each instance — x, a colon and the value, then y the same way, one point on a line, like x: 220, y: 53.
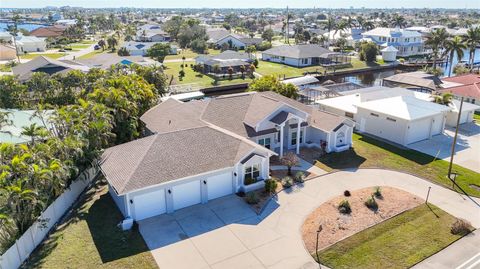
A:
x: 225, y: 234
x: 304, y: 166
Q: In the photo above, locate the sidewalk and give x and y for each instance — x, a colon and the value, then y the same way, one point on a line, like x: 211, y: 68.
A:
x: 304, y: 165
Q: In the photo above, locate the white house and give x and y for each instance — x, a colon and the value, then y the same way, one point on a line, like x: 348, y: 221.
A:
x: 30, y: 44
x: 408, y: 43
x: 201, y: 150
x: 303, y: 55
x: 395, y: 114
x: 237, y: 41
x: 6, y: 37
x: 141, y: 48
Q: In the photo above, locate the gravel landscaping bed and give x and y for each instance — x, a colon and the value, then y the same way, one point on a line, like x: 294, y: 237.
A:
x: 337, y: 226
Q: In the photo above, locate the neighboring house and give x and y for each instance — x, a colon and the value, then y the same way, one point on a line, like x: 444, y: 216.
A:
x: 352, y: 35
x: 6, y: 37
x: 65, y: 22
x: 396, y: 114
x: 215, y: 34
x: 30, y: 44
x: 20, y: 119
x: 236, y: 41
x: 418, y: 81
x: 303, y: 55
x: 224, y: 61
x: 46, y: 65
x: 135, y: 48
x: 201, y: 150
x: 467, y: 86
x: 408, y: 43
x: 48, y: 31
x: 151, y: 33
x: 106, y: 60
x: 7, y: 52
x: 138, y: 48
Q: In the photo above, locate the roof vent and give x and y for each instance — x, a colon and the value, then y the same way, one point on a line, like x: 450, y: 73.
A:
x: 169, y: 122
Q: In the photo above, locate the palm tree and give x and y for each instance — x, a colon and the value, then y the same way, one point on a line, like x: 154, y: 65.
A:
x: 341, y: 26
x: 443, y: 99
x: 112, y: 42
x: 399, y: 21
x: 472, y: 40
x: 13, y: 30
x: 454, y: 46
x: 436, y: 41
x: 330, y: 25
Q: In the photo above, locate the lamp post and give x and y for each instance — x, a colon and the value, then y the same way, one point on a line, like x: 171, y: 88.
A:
x: 320, y: 228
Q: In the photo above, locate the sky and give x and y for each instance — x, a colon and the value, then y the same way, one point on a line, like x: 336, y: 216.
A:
x: 472, y: 4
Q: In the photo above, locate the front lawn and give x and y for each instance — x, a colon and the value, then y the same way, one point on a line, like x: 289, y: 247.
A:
x: 192, y: 77
x: 269, y: 68
x: 369, y: 152
x: 90, y: 239
x: 54, y: 55
x: 399, y: 242
x: 476, y: 116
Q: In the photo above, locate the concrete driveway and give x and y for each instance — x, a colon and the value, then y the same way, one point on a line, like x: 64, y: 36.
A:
x: 226, y: 233
x: 467, y: 150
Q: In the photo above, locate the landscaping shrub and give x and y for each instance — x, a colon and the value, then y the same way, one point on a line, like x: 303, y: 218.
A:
x: 378, y: 192
x: 271, y: 185
x: 241, y: 194
x: 371, y: 203
x: 461, y: 226
x: 300, y: 177
x: 347, y: 193
x: 249, y: 180
x: 344, y: 207
x: 252, y: 198
x: 287, y: 182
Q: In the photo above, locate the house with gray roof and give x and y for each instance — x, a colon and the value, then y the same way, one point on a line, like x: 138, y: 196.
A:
x: 202, y: 150
x: 224, y: 61
x: 46, y: 65
x: 219, y: 37
x: 304, y: 55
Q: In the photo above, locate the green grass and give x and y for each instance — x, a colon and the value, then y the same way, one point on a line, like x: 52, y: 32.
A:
x: 90, y: 239
x: 269, y: 68
x: 476, y: 116
x: 369, y: 152
x: 50, y: 55
x: 91, y: 54
x: 399, y: 242
x: 172, y: 69
x: 5, y: 68
x: 189, y: 54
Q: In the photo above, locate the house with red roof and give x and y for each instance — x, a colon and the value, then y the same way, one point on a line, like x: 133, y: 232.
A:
x: 467, y: 86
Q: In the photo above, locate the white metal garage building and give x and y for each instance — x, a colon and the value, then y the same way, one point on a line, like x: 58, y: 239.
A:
x: 162, y: 173
x: 402, y: 119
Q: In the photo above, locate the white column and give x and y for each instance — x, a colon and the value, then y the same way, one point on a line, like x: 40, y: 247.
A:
x: 298, y: 135
x: 281, y: 140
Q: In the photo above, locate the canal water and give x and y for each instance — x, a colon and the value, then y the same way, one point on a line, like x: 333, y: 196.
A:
x: 465, y: 59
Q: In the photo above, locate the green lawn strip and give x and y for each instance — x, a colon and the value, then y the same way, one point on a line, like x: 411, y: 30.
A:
x: 269, y: 68
x: 192, y: 77
x: 369, y: 152
x: 50, y: 55
x: 5, y: 68
x: 91, y: 54
x: 90, y: 239
x: 476, y: 116
x: 399, y: 242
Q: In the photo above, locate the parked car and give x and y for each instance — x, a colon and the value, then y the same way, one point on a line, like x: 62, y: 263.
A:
x: 96, y: 47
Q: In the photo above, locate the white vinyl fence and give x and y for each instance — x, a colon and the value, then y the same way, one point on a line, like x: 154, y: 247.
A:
x: 24, y: 246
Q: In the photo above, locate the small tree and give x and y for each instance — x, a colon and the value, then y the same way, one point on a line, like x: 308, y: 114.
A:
x: 251, y: 70
x: 242, y: 70
x: 289, y: 160
x: 181, y: 74
x: 216, y: 69
x: 112, y: 42
x: 123, y: 52
x: 368, y: 52
x: 159, y: 51
x: 268, y: 35
x: 102, y: 44
x: 255, y: 63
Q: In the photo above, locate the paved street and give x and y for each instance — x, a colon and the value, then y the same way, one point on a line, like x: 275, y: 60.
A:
x: 226, y: 233
x: 467, y: 150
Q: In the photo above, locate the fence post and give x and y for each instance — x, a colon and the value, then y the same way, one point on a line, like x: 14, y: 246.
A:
x: 428, y: 194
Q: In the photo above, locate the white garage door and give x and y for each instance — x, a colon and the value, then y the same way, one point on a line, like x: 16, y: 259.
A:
x: 437, y: 125
x: 149, y: 204
x: 219, y: 185
x: 186, y: 194
x: 419, y: 130
x: 464, y: 117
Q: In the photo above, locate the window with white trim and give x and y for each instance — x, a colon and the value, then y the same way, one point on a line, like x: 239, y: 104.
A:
x: 294, y: 137
x: 252, y: 171
x: 266, y: 142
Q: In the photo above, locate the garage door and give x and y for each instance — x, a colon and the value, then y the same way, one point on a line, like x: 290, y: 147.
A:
x: 418, y: 131
x: 437, y: 125
x: 464, y: 117
x: 186, y: 194
x: 149, y: 204
x: 219, y: 186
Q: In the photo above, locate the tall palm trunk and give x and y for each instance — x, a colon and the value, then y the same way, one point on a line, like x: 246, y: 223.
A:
x: 451, y: 63
x: 472, y: 57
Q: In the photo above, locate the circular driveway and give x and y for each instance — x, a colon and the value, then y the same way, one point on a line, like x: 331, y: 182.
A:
x: 225, y: 233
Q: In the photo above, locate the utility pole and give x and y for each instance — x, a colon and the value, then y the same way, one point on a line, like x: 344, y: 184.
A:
x: 287, y: 29
x: 455, y: 139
